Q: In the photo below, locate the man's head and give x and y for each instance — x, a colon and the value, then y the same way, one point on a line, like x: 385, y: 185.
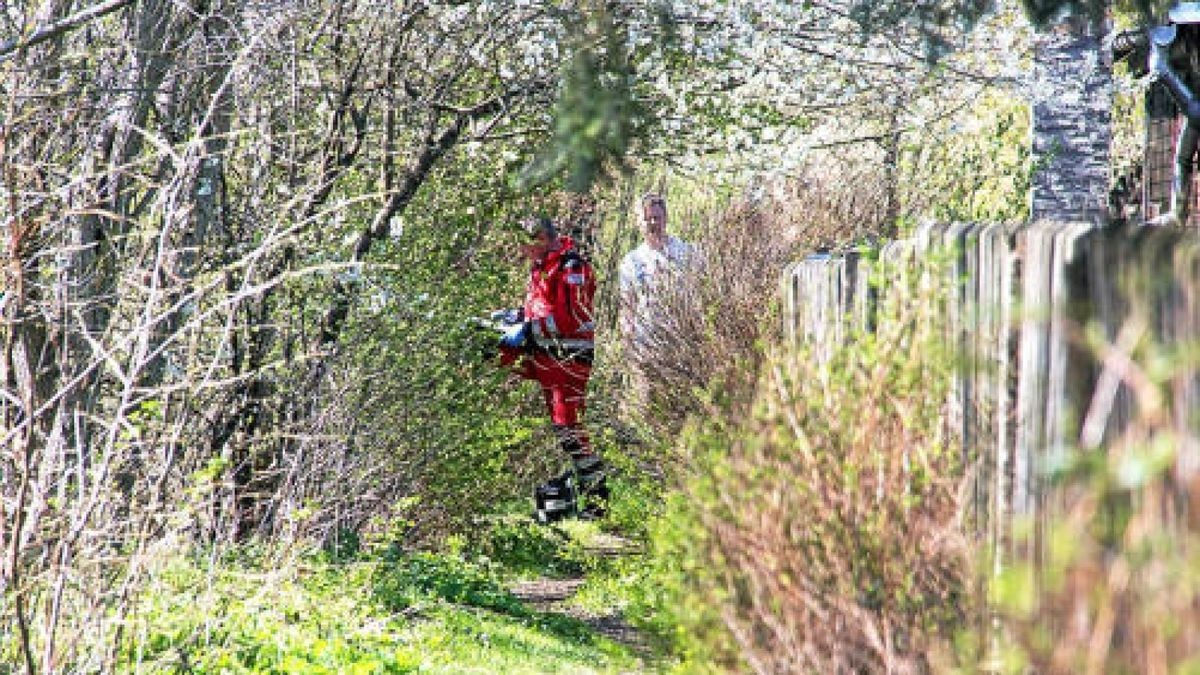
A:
x: 541, y: 236
x: 654, y: 219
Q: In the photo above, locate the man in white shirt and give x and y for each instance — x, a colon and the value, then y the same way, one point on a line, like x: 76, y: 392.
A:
x: 644, y: 273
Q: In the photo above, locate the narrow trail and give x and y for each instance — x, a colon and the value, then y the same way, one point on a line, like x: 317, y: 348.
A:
x: 554, y: 596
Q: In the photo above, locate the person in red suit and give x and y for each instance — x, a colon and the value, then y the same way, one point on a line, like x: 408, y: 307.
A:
x: 550, y: 339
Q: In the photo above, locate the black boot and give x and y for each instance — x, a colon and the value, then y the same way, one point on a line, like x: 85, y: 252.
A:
x: 556, y: 498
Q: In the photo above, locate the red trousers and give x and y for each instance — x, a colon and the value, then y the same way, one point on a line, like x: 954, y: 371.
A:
x: 563, y: 383
x: 564, y: 388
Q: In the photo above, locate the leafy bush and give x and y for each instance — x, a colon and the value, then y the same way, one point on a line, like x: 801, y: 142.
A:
x: 974, y: 167
x: 403, y: 581
x: 826, y: 525
x: 520, y: 544
x: 636, y: 500
x: 678, y: 598
x: 417, y: 413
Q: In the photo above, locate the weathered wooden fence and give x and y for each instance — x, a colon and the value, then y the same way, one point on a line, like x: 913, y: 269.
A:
x: 1021, y: 298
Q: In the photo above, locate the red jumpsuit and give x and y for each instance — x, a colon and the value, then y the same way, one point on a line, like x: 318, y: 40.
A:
x: 558, y: 307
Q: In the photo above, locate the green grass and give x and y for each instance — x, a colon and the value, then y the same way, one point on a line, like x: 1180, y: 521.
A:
x: 367, y: 606
x: 383, y: 613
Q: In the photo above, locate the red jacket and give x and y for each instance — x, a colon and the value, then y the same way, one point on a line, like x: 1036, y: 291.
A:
x: 558, y: 299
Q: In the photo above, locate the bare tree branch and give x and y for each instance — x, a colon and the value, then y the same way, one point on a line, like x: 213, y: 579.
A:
x: 58, y: 28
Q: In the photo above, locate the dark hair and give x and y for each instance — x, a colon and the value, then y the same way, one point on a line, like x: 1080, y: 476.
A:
x: 534, y: 224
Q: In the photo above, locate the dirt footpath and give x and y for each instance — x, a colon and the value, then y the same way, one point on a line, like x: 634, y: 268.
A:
x: 554, y: 595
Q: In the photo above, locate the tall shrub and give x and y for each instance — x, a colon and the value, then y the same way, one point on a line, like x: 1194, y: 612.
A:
x: 709, y: 319
x: 829, y: 518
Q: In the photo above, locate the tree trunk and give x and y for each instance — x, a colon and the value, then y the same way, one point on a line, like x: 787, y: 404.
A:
x: 1072, y: 116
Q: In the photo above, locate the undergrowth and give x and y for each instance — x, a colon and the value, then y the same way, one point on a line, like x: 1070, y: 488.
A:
x: 374, y: 612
